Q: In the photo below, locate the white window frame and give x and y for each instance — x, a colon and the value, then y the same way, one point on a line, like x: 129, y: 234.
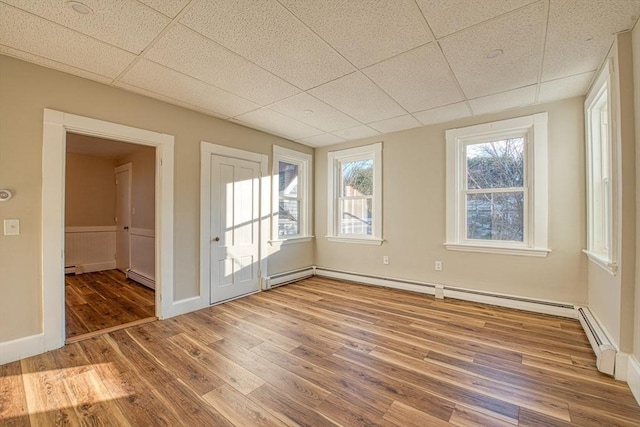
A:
x: 603, y: 254
x: 305, y: 168
x: 535, y: 240
x: 335, y: 159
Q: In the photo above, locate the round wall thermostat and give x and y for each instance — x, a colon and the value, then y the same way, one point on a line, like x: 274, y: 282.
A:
x: 5, y: 195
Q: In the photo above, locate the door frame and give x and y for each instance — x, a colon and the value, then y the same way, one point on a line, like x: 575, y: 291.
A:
x: 206, y: 150
x: 56, y: 124
x: 127, y: 167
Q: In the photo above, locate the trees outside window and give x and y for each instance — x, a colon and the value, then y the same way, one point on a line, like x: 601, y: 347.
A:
x: 355, y: 195
x: 497, y: 187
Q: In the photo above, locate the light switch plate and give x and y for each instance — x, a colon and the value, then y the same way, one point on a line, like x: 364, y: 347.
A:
x: 11, y: 227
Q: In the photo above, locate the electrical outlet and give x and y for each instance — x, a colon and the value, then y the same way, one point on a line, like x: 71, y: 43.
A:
x: 438, y: 266
x: 11, y: 227
x: 385, y: 259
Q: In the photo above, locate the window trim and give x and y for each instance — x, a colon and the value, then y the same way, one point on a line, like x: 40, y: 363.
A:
x: 334, y: 158
x: 534, y: 127
x: 305, y: 170
x: 604, y: 81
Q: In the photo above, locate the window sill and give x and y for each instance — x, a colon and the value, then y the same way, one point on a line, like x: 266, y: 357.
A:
x: 600, y: 260
x: 533, y: 252
x: 360, y: 241
x: 291, y: 241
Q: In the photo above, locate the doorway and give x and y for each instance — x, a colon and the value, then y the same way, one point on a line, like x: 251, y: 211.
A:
x: 235, y: 226
x: 56, y: 124
x: 109, y: 204
x: 234, y: 222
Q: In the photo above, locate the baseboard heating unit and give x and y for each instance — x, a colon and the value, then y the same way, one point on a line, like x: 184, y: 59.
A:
x: 602, y: 347
x: 288, y: 277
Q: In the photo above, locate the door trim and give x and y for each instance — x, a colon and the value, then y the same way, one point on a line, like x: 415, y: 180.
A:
x: 127, y: 167
x: 55, y: 127
x: 206, y: 150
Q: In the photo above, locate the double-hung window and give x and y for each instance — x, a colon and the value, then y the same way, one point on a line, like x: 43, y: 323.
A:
x: 291, y: 195
x: 355, y: 195
x: 601, y: 176
x: 497, y: 187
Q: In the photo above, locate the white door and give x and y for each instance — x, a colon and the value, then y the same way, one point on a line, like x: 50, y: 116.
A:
x: 123, y: 215
x: 235, y: 223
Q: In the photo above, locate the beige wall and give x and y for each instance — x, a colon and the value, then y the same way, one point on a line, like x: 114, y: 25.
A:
x: 90, y: 191
x: 414, y: 215
x: 611, y: 298
x: 26, y: 90
x: 143, y: 187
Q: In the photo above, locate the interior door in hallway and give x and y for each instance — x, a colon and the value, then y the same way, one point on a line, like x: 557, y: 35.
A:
x: 235, y: 223
x: 123, y: 215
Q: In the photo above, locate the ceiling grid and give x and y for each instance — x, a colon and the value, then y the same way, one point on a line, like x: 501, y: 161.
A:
x: 324, y: 72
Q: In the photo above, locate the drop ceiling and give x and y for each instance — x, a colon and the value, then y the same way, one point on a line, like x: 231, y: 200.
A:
x: 324, y: 71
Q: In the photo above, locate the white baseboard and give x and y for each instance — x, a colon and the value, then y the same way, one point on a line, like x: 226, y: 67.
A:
x: 90, y: 268
x: 186, y: 305
x: 143, y: 280
x: 633, y: 376
x: 511, y: 301
x: 287, y: 277
x: 622, y: 366
x: 502, y: 300
x: 388, y: 282
x: 21, y: 348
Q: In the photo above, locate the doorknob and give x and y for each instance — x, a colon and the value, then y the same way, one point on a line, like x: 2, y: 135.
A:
x: 217, y: 239
x: 126, y: 227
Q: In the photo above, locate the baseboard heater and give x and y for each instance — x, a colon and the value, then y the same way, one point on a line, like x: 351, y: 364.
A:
x: 142, y: 279
x: 602, y: 347
x: 287, y: 277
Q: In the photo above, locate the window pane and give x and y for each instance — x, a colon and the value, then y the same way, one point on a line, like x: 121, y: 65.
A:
x: 497, y: 164
x: 357, y: 178
x: 495, y: 216
x: 288, y: 179
x: 288, y: 217
x: 355, y: 216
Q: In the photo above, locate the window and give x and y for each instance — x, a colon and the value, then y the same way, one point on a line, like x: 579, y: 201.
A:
x: 355, y: 195
x: 497, y: 187
x: 600, y: 177
x: 291, y: 195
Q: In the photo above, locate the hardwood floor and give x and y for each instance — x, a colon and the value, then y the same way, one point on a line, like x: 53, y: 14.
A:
x: 319, y: 353
x: 104, y: 299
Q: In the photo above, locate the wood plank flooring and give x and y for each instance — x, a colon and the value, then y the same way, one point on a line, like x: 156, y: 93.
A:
x: 104, y: 299
x: 322, y: 353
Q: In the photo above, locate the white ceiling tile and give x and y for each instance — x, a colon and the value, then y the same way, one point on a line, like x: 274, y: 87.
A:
x: 269, y: 35
x: 356, y: 132
x: 447, y: 17
x: 164, y: 81
x: 395, y: 124
x: 127, y: 24
x: 322, y: 140
x: 443, y: 114
x: 322, y: 116
x: 274, y: 122
x: 4, y: 50
x: 170, y: 100
x: 364, y: 31
x: 191, y: 53
x: 519, y: 34
x: 356, y: 96
x: 28, y: 33
x: 580, y: 33
x: 504, y: 101
x: 418, y: 80
x: 171, y: 8
x: 567, y: 87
